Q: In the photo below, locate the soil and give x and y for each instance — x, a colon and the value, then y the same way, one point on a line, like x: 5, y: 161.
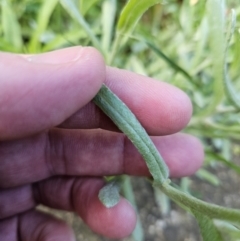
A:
x: 177, y: 225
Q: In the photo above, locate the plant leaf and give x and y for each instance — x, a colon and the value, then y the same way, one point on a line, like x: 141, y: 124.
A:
x: 108, y: 18
x: 216, y: 22
x: 43, y: 18
x: 86, y: 5
x: 131, y: 14
x: 109, y: 194
x: 172, y: 64
x: 138, y: 233
x: 72, y: 9
x: 208, y: 230
x: 129, y: 17
x: 11, y: 27
x: 229, y: 88
x: 220, y: 158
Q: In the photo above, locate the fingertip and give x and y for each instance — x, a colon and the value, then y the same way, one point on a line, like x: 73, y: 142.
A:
x: 116, y: 222
x: 41, y: 91
x: 96, y: 67
x: 180, y: 110
x: 187, y: 157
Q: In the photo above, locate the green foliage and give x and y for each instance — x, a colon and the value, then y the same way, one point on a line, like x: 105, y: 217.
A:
x: 208, y: 230
x: 10, y: 27
x: 183, y: 43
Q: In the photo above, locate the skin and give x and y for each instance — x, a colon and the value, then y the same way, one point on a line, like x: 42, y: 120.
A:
x: 55, y: 145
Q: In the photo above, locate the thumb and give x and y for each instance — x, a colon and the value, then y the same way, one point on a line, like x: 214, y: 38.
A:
x: 40, y: 91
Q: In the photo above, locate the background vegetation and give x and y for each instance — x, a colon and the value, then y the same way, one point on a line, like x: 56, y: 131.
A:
x: 192, y: 44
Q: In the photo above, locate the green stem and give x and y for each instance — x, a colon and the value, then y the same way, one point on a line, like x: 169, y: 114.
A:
x: 210, y: 210
x: 126, y: 121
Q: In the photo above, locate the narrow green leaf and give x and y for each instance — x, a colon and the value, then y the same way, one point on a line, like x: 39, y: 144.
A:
x: 85, y: 5
x: 109, y: 194
x: 129, y: 17
x: 208, y: 176
x: 216, y: 22
x: 208, y: 229
x: 172, y: 64
x: 219, y: 158
x: 72, y: 9
x: 126, y: 121
x: 11, y: 27
x: 162, y: 201
x: 229, y: 88
x: 131, y: 14
x: 228, y: 231
x: 108, y: 18
x: 138, y: 233
x: 43, y: 19
x: 70, y: 38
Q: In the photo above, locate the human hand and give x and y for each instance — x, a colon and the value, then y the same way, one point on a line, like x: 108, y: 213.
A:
x: 55, y: 145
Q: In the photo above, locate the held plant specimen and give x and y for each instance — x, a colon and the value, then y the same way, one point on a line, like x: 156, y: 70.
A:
x: 127, y: 122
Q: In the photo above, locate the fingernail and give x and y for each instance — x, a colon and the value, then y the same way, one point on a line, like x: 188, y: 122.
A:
x: 62, y: 56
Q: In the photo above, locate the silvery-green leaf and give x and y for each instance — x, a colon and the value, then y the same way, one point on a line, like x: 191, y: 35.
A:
x: 109, y: 194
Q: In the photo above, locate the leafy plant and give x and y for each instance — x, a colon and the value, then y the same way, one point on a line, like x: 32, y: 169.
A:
x: 201, y: 63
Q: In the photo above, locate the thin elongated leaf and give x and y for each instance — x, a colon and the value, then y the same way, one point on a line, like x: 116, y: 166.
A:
x: 229, y: 88
x: 228, y: 231
x: 44, y: 15
x: 108, y: 18
x: 131, y: 14
x: 216, y: 21
x: 11, y: 27
x: 85, y: 5
x: 71, y: 38
x: 208, y: 229
x: 208, y: 176
x: 171, y: 63
x: 138, y: 233
x: 72, y: 9
x: 221, y: 159
x: 129, y: 17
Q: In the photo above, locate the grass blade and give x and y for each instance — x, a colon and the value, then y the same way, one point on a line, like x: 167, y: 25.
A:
x: 11, y: 28
x: 129, y: 17
x: 138, y: 233
x: 229, y: 88
x: 172, y: 64
x: 43, y: 19
x: 108, y: 17
x: 72, y: 9
x: 216, y: 21
x: 86, y: 5
x: 208, y: 229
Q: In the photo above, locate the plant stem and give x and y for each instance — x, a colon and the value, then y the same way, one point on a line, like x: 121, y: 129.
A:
x: 210, y: 210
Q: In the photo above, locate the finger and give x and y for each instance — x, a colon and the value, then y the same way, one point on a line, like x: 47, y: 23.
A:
x: 81, y: 196
x: 161, y: 108
x: 8, y: 229
x: 34, y: 226
x: 90, y: 153
x: 41, y: 91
